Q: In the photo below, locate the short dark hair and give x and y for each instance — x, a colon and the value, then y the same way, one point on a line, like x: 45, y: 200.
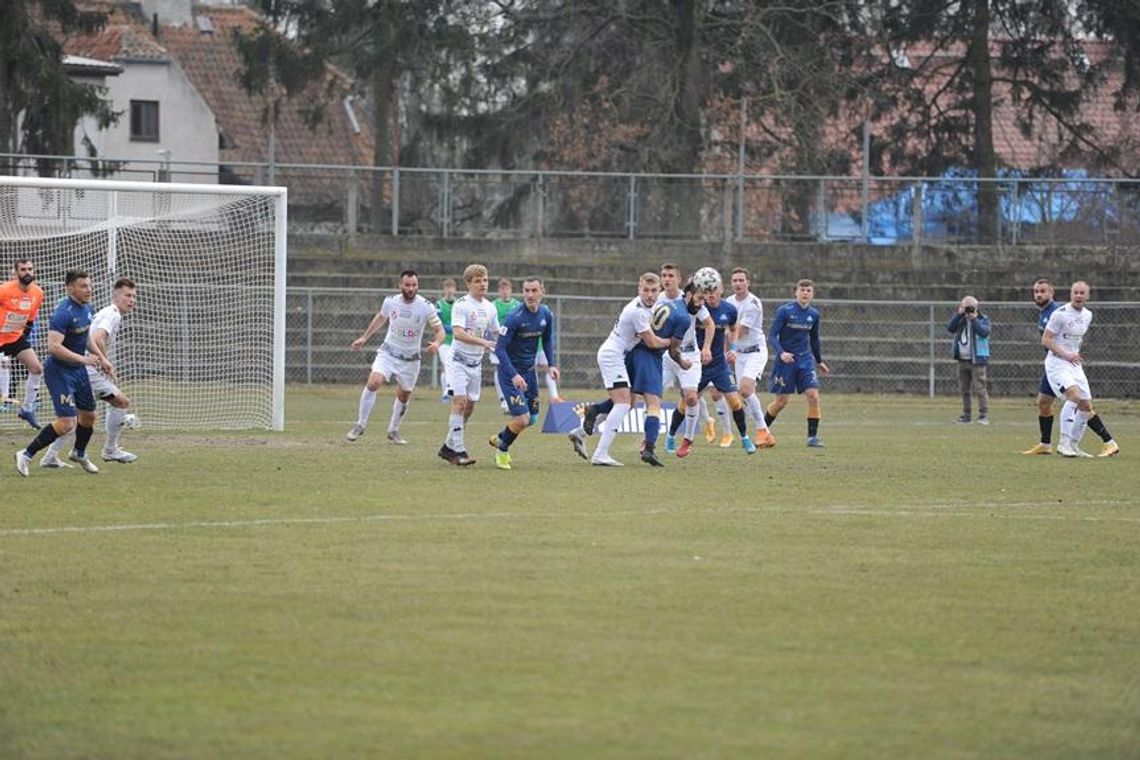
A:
x: 1045, y: 280
x: 743, y: 271
x: 535, y: 278
x: 73, y: 275
x: 124, y: 282
x: 805, y: 283
x: 21, y: 260
x: 671, y: 267
x: 409, y: 273
x: 505, y: 281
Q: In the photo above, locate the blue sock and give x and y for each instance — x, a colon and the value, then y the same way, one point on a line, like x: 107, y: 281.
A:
x: 506, y: 438
x: 604, y: 407
x: 652, y: 428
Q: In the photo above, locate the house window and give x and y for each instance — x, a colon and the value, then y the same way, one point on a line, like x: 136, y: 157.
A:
x: 144, y: 120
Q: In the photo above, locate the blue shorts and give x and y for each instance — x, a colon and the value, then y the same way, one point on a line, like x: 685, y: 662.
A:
x: 1044, y: 388
x: 719, y: 376
x: 796, y: 377
x: 645, y: 372
x: 520, y: 402
x: 69, y: 387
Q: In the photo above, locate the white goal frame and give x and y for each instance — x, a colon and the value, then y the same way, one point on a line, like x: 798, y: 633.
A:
x: 114, y: 189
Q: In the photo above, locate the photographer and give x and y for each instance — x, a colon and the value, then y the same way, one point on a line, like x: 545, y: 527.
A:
x: 971, y: 329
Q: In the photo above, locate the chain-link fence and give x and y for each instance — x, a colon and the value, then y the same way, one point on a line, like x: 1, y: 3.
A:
x: 870, y: 346
x: 473, y: 203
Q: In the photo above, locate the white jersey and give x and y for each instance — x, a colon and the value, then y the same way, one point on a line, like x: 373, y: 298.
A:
x: 1068, y: 326
x: 689, y: 342
x: 634, y: 319
x: 750, y: 314
x: 477, y: 317
x: 108, y: 318
x: 406, y: 323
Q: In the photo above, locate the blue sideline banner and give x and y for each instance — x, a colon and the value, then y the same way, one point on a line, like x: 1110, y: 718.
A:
x: 564, y: 417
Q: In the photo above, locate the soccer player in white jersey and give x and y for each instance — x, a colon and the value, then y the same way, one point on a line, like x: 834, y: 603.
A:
x: 104, y: 328
x: 634, y: 324
x: 686, y: 380
x: 1064, y: 368
x: 408, y: 315
x: 750, y: 352
x: 472, y: 318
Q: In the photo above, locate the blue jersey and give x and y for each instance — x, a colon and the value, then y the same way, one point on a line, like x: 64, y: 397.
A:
x: 723, y: 316
x: 519, y: 337
x: 1044, y: 314
x: 795, y: 329
x: 73, y: 320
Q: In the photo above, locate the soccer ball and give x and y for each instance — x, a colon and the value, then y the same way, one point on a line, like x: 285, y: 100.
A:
x: 706, y: 279
x: 131, y: 421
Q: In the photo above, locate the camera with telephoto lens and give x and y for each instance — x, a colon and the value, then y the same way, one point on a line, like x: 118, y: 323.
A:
x: 970, y: 309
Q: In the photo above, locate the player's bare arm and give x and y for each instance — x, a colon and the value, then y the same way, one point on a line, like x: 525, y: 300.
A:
x: 651, y: 340
x: 63, y: 353
x: 675, y: 354
x: 376, y: 323
x: 440, y: 336
x: 460, y: 334
x: 706, y: 348
x: 1049, y: 340
x: 98, y: 346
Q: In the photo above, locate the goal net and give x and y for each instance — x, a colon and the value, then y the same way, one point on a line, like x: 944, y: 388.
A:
x: 205, y: 346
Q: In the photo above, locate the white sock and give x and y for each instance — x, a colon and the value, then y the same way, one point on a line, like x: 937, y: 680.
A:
x: 609, y: 431
x: 1068, y: 419
x: 57, y: 445
x: 692, y: 417
x: 752, y: 405
x: 114, y: 428
x: 722, y: 414
x: 5, y: 377
x: 704, y: 409
x: 499, y: 388
x: 398, y: 410
x: 551, y: 385
x: 367, y: 400
x: 442, y: 382
x: 455, y: 432
x: 31, y: 387
x: 1080, y: 425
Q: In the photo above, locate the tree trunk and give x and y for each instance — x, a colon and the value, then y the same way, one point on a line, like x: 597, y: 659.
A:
x: 684, y: 207
x: 383, y: 85
x: 985, y: 159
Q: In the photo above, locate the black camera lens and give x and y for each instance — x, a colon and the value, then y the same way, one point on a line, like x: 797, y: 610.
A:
x: 970, y: 309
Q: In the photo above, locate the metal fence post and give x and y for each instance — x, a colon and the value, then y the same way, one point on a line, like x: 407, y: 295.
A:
x: 557, y: 329
x: 631, y: 216
x: 445, y: 204
x: 932, y: 350
x: 395, y: 201
x: 308, y: 336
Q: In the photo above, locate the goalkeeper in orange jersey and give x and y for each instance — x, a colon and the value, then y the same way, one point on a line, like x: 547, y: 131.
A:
x: 20, y: 300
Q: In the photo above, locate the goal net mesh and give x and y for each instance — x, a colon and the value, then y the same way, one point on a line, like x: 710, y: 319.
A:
x: 198, y: 350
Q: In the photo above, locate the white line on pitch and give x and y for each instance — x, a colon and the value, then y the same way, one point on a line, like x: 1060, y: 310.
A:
x: 955, y: 509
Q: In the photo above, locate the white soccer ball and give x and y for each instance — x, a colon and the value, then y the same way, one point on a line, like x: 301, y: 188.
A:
x: 131, y: 421
x: 706, y: 279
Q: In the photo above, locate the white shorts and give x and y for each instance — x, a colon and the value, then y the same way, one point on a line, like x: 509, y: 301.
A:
x: 463, y: 380
x: 672, y: 374
x: 403, y: 370
x: 444, y: 355
x: 540, y: 359
x: 1062, y: 374
x: 102, y: 386
x: 751, y: 364
x: 611, y: 363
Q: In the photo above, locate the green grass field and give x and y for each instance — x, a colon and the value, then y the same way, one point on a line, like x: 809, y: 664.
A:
x: 916, y: 589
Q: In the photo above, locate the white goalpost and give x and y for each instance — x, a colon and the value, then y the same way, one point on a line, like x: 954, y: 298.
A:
x: 205, y: 346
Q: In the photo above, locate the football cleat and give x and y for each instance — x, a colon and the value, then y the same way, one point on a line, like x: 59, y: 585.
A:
x: 22, y: 461
x: 765, y: 440
x: 356, y: 432
x: 983, y: 420
x: 579, y: 444
x: 726, y: 440
x: 589, y: 418
x: 749, y: 446
x: 605, y: 461
x: 963, y: 420
x: 118, y: 455
x: 395, y: 438
x: 1039, y: 449
x: 1109, y: 449
x: 502, y: 460
x: 493, y: 441
x: 53, y: 462
x: 815, y: 442
x: 1072, y: 452
x: 462, y: 459
x: 685, y: 447
x: 650, y: 457
x: 710, y: 431
x: 84, y: 462
x: 29, y: 416
x: 670, y: 444
x: 446, y: 453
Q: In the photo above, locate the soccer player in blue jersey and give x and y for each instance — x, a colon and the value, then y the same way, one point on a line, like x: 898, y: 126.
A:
x: 669, y: 321
x: 717, y: 372
x: 65, y: 373
x: 794, y: 336
x: 520, y: 335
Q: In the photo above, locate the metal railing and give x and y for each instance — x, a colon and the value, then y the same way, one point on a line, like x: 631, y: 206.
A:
x: 485, y: 203
x: 871, y: 346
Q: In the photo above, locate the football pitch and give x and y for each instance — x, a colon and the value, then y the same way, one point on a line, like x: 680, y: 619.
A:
x: 916, y: 589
